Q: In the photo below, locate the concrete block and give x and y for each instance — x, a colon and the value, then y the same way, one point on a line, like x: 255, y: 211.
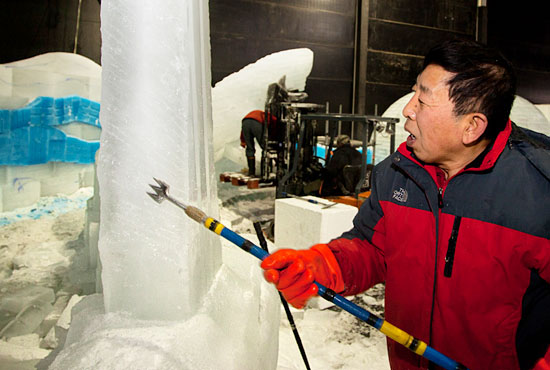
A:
x: 20, y: 193
x: 300, y: 224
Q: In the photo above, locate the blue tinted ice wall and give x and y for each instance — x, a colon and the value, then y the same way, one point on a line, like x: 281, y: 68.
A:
x: 29, y: 135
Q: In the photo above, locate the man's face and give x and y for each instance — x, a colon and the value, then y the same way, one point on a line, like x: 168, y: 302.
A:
x: 435, y: 132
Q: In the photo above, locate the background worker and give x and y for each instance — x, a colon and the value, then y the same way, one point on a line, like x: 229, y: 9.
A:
x: 253, y: 126
x: 457, y: 224
x: 334, y: 182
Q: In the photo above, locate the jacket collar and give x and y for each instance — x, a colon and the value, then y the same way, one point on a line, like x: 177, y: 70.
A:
x: 534, y: 146
x: 484, y: 161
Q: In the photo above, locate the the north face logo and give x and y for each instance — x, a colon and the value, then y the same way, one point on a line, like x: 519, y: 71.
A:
x: 400, y: 195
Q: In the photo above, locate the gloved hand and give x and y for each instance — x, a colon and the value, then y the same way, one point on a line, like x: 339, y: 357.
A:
x: 294, y: 271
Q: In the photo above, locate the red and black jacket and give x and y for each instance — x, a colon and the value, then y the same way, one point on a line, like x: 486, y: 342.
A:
x: 466, y: 262
x: 259, y: 116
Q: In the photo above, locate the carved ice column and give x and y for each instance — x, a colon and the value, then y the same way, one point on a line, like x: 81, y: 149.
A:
x: 156, y: 119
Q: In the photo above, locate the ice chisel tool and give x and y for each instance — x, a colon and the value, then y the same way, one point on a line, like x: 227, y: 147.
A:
x: 416, y: 345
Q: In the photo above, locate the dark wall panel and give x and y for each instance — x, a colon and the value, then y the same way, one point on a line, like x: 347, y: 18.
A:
x: 244, y: 31
x: 400, y: 33
x: 331, y: 62
x: 338, y: 6
x: 380, y: 97
x: 534, y: 85
x: 265, y: 20
x: 334, y: 92
x: 33, y: 27
x: 522, y: 33
x: 411, y: 39
x: 452, y: 15
x: 395, y: 69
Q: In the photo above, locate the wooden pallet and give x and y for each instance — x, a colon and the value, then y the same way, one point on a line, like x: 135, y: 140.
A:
x: 240, y: 179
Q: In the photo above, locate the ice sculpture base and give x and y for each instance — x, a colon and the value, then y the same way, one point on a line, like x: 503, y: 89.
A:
x: 207, y: 340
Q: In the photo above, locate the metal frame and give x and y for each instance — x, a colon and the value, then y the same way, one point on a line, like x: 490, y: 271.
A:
x: 368, y: 139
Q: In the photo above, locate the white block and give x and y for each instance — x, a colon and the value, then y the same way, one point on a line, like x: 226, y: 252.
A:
x: 66, y: 85
x: 33, y: 172
x: 300, y: 224
x: 66, y: 183
x: 31, y: 83
x: 20, y: 193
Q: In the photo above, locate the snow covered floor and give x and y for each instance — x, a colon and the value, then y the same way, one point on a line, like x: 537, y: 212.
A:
x: 334, y: 339
x: 41, y: 246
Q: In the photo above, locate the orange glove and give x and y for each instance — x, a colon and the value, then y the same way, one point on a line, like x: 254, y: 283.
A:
x: 294, y: 271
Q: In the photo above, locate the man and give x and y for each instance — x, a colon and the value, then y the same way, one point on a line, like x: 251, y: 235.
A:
x: 457, y: 224
x: 333, y: 178
x: 253, y: 128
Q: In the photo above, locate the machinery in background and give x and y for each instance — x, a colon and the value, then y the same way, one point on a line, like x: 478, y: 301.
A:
x: 296, y: 151
x: 303, y: 177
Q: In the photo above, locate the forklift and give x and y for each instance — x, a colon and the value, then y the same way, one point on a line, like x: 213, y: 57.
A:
x: 297, y: 149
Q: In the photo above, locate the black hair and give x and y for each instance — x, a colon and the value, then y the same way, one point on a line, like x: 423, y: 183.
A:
x: 484, y: 81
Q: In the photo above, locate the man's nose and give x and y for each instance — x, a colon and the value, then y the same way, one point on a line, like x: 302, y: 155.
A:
x: 409, y: 109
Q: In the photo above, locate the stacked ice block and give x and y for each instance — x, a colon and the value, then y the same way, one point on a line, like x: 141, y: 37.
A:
x: 46, y: 148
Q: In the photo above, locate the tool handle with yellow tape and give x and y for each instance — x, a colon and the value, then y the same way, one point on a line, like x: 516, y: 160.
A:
x: 416, y: 345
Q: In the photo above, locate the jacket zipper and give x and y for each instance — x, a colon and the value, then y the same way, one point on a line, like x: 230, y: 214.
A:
x: 438, y: 215
x: 440, y: 205
x: 449, y: 258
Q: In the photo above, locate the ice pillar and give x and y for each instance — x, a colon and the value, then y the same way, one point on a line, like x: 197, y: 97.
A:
x: 156, y: 119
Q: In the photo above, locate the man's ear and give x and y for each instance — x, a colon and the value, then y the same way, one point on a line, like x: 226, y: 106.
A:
x: 476, y: 124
